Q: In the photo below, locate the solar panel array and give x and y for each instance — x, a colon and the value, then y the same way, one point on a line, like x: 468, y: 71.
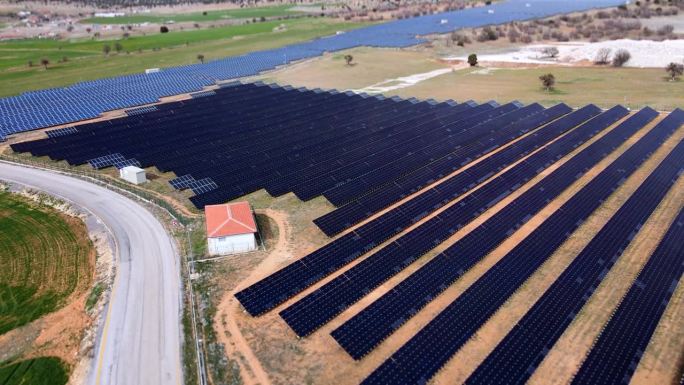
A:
x: 87, y: 100
x: 224, y: 146
x: 617, y: 352
x: 317, y: 308
x: 363, y: 207
x: 435, y: 167
x: 424, y: 354
x: 559, y: 305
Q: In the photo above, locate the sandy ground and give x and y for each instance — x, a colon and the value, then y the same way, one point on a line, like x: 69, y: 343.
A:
x: 645, y: 53
x: 405, y: 81
x: 228, y: 331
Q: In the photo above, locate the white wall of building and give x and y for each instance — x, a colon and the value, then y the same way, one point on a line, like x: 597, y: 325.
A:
x: 133, y: 175
x: 232, y: 244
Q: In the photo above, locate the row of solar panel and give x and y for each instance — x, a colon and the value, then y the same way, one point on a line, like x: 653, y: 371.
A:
x: 113, y: 137
x: 366, y: 205
x: 364, y: 331
x: 424, y: 354
x: 620, y: 347
x: 204, y: 146
x: 314, y: 310
x: 272, y: 290
x: 560, y: 304
x: 87, y: 100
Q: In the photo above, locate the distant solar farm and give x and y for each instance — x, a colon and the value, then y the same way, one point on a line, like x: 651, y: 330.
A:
x: 87, y: 100
x: 405, y: 176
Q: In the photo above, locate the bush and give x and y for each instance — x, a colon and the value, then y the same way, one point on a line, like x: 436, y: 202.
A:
x: 548, y: 81
x: 472, y: 60
x: 164, y: 29
x: 602, y: 56
x: 551, y: 52
x: 487, y: 34
x: 675, y: 70
x: 621, y: 57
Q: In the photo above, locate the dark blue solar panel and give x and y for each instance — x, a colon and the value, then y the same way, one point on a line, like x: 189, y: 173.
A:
x: 368, y: 328
x: 87, y: 100
x: 420, y: 358
x: 558, y: 306
x: 317, y: 308
x: 618, y: 350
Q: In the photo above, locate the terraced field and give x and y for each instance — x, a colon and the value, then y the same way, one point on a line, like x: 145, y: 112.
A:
x: 39, y: 371
x: 46, y: 257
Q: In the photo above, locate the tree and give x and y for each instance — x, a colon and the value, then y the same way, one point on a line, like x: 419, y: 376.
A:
x: 106, y: 49
x: 472, y: 60
x: 621, y: 57
x: 200, y: 57
x: 348, y: 59
x: 551, y: 52
x: 118, y: 47
x: 602, y: 56
x: 164, y: 29
x: 44, y: 62
x: 675, y: 70
x: 548, y: 81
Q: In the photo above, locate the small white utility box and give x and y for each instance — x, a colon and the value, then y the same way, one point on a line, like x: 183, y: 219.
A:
x: 135, y: 175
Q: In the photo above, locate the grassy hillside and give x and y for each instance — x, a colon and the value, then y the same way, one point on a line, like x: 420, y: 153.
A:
x: 39, y: 371
x: 45, y: 257
x: 87, y: 62
x: 576, y: 86
x: 243, y: 13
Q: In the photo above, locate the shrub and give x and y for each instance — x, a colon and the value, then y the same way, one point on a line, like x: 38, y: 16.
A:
x: 551, y: 52
x: 548, y: 81
x: 621, y: 57
x: 472, y: 60
x: 164, y: 29
x: 602, y: 56
x: 675, y: 70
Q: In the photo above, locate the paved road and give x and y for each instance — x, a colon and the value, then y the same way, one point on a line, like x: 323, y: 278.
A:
x: 140, y: 339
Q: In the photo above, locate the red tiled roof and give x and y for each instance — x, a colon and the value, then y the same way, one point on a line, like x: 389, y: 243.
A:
x: 229, y: 219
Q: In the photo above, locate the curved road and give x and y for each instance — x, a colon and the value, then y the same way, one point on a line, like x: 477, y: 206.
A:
x: 139, y: 342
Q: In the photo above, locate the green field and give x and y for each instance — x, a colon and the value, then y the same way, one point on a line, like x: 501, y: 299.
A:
x: 38, y: 371
x: 242, y: 13
x: 45, y: 257
x: 87, y: 62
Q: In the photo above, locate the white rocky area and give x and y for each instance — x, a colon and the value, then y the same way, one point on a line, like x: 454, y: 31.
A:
x: 645, y: 53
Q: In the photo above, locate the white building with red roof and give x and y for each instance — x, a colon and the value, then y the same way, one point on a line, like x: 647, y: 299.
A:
x: 231, y: 228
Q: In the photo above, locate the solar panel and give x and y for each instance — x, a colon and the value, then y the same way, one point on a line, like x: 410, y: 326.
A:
x: 618, y: 350
x: 61, y: 132
x: 567, y: 295
x: 424, y: 354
